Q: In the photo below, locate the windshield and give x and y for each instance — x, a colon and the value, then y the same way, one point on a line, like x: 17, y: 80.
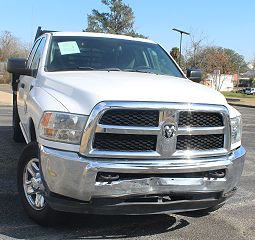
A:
x: 73, y: 53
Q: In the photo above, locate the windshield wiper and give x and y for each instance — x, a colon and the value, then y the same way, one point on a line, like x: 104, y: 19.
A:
x: 110, y: 69
x: 140, y: 71
x: 85, y: 68
x: 74, y: 68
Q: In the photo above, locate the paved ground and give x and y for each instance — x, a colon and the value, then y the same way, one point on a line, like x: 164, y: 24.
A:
x: 234, y: 221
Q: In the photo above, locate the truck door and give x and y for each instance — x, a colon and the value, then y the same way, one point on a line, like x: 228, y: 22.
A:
x: 26, y: 82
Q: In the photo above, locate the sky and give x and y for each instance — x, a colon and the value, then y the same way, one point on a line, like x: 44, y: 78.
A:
x: 225, y: 23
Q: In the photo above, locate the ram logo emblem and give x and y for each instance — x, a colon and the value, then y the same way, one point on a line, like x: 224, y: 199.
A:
x: 169, y: 131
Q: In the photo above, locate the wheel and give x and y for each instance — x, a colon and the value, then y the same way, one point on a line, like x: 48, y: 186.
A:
x: 17, y: 133
x: 31, y: 189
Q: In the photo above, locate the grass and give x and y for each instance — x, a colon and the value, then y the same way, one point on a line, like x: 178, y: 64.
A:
x: 237, y: 95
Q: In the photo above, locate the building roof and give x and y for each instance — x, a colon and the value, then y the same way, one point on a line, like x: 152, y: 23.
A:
x: 249, y: 74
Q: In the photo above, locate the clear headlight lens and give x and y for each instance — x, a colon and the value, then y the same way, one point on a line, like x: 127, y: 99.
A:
x: 62, y: 127
x: 236, y: 132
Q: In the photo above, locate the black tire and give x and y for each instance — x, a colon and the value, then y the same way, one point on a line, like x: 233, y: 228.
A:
x: 17, y: 133
x: 45, y: 216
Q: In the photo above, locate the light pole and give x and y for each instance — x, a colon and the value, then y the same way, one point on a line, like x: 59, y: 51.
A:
x: 181, y: 32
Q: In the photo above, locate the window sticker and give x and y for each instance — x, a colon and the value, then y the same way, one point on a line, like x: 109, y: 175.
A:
x: 70, y: 47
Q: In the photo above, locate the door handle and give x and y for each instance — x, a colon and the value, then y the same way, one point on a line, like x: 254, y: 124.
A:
x: 22, y: 85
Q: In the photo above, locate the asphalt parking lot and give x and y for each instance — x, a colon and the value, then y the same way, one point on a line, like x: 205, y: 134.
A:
x: 234, y: 221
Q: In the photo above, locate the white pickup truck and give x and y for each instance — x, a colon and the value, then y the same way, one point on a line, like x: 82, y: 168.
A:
x: 113, y: 126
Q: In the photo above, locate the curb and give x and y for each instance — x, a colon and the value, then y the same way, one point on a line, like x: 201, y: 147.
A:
x: 3, y: 105
x: 241, y: 105
x: 5, y: 98
x: 233, y: 99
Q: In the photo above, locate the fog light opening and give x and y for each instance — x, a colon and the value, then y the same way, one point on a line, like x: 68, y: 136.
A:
x: 107, y: 177
x: 216, y: 174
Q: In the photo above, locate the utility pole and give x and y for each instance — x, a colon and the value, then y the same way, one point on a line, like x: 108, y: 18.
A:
x: 181, y: 32
x: 238, y: 77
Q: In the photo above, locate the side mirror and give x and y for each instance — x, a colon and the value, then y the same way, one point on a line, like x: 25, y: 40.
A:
x: 18, y: 66
x: 194, y: 75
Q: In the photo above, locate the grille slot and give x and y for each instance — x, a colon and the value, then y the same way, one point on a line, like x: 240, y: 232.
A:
x: 125, y: 117
x: 200, y: 142
x: 124, y: 142
x: 113, y: 176
x: 200, y: 119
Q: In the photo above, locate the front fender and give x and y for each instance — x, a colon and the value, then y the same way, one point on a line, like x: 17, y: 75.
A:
x: 39, y: 101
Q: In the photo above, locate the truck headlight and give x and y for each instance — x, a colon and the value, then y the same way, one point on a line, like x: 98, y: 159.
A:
x: 62, y: 127
x: 236, y: 132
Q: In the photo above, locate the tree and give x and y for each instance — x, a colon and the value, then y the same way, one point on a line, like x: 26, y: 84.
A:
x: 236, y: 60
x: 193, y: 53
x: 204, y: 55
x: 119, y: 19
x: 216, y: 59
x: 251, y: 82
x: 210, y: 58
x: 10, y: 46
x: 252, y: 63
x: 175, y: 53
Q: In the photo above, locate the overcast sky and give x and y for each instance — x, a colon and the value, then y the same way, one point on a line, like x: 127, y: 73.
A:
x: 226, y: 23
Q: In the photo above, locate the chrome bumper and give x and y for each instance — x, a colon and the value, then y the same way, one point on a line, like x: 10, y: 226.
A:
x: 71, y: 175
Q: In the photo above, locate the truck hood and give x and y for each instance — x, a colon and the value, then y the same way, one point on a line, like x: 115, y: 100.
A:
x: 80, y: 91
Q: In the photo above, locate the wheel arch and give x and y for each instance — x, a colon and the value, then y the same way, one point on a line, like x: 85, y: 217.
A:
x: 32, y: 131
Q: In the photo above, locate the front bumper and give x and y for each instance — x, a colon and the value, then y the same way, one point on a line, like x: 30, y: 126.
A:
x: 72, y: 183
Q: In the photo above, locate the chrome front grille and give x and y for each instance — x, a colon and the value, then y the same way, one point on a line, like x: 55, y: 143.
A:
x: 138, y: 130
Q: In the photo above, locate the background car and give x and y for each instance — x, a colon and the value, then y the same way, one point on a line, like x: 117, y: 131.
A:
x: 250, y: 91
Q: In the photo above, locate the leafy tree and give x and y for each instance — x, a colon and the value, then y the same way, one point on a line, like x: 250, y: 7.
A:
x: 216, y: 59
x: 252, y: 82
x: 252, y: 63
x: 175, y: 53
x: 211, y: 58
x: 119, y: 19
x: 237, y: 60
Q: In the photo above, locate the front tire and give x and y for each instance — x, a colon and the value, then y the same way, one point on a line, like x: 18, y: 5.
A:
x: 31, y: 189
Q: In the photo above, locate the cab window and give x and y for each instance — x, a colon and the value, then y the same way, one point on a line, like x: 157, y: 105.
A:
x: 37, y: 56
x: 31, y: 55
